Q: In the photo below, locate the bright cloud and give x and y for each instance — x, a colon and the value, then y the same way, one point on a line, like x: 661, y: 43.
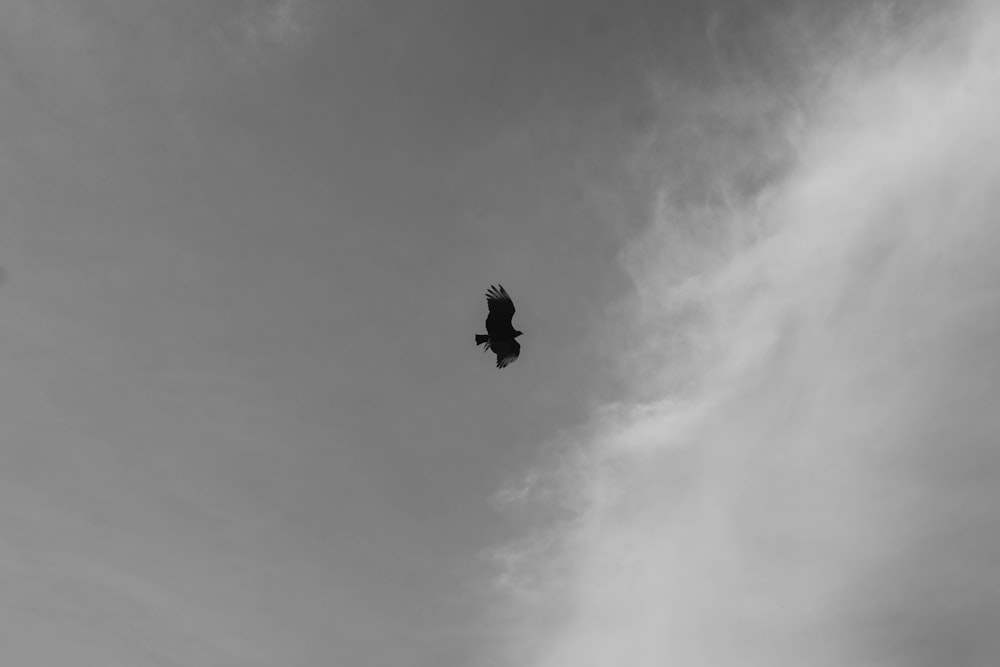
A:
x: 814, y: 477
x: 264, y: 23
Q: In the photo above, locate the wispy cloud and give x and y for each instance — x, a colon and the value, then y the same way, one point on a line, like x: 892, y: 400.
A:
x: 270, y: 26
x: 272, y: 21
x: 821, y: 487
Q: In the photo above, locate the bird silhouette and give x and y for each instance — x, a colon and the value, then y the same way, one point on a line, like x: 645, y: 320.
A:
x: 500, y: 332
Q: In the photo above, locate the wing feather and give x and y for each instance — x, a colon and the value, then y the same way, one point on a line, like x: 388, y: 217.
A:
x: 501, y: 309
x: 499, y: 301
x: 507, y: 352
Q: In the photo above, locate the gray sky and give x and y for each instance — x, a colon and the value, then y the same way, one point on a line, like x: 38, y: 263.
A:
x: 245, y: 247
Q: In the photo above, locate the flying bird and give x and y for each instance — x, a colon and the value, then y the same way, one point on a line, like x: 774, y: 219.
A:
x: 500, y: 333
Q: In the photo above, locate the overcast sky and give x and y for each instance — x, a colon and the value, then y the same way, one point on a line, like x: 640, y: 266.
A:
x: 245, y: 246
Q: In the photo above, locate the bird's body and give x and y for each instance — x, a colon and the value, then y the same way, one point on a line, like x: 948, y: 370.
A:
x: 500, y: 332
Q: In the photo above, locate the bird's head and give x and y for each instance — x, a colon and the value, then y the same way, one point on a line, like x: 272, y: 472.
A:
x: 518, y: 333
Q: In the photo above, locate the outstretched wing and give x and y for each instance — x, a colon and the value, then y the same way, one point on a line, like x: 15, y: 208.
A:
x: 501, y: 310
x: 507, y: 351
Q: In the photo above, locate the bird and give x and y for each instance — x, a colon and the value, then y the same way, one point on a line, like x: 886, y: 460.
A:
x: 500, y: 332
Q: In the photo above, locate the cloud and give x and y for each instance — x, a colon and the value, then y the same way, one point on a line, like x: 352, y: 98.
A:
x: 269, y: 23
x: 808, y: 471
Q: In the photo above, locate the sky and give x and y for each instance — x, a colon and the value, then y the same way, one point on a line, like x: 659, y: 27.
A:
x: 245, y: 246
